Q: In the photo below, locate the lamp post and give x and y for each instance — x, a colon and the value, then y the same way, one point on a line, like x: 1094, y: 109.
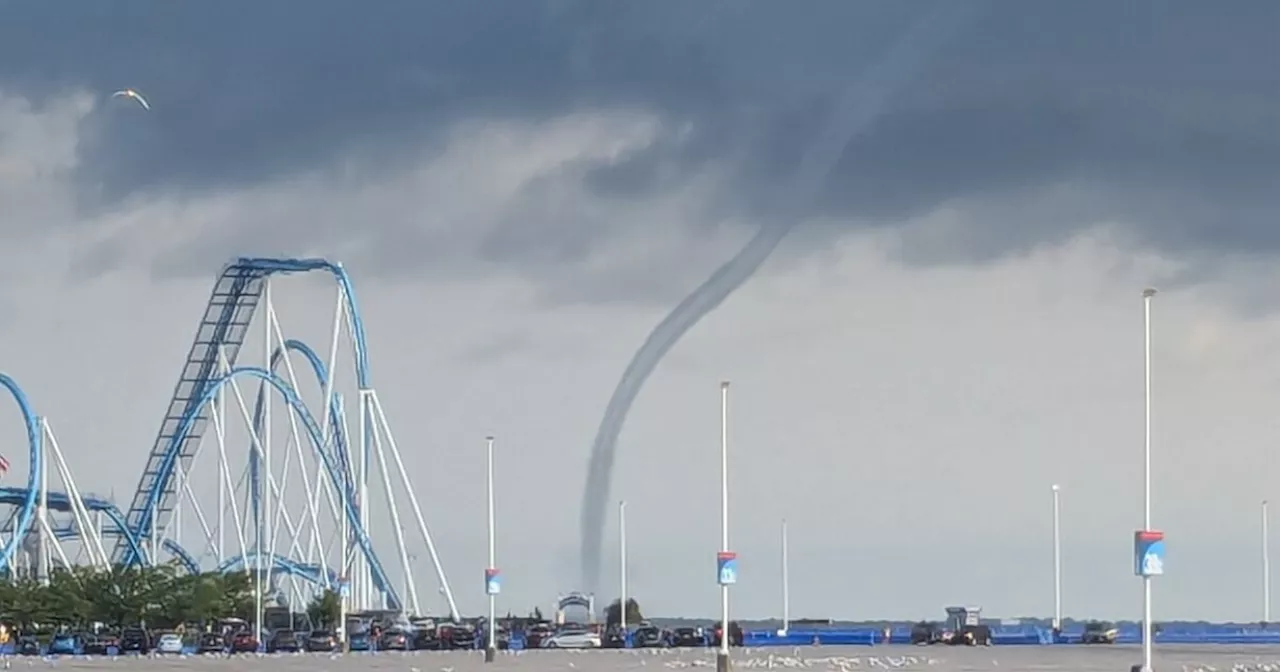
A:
x: 786, y: 582
x: 491, y: 578
x: 1266, y: 565
x: 726, y: 559
x: 1147, y: 294
x: 622, y: 570
x: 1057, y: 561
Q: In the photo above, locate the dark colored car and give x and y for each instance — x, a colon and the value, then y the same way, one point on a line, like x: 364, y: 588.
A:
x: 322, y: 640
x: 284, y: 640
x: 688, y: 637
x: 971, y: 635
x: 99, y: 645
x: 1099, y: 632
x: 649, y: 636
x: 537, y: 632
x: 464, y: 636
x: 736, y: 636
x: 135, y: 640
x: 212, y: 642
x: 456, y: 636
x: 426, y: 639
x: 394, y: 639
x: 924, y: 632
x: 244, y: 642
x: 28, y: 645
x: 501, y: 638
x: 613, y: 638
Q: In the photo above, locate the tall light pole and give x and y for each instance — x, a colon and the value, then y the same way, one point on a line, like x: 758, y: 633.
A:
x: 1057, y: 561
x: 491, y: 573
x: 726, y: 559
x: 786, y: 582
x: 622, y: 569
x: 1146, y: 476
x: 1266, y: 565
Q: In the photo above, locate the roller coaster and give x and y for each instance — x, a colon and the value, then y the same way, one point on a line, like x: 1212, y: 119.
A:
x: 297, y: 498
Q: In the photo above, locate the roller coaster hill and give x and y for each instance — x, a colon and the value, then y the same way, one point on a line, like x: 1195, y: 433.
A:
x: 279, y: 462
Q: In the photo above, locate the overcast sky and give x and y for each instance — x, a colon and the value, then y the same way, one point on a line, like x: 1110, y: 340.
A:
x: 521, y: 191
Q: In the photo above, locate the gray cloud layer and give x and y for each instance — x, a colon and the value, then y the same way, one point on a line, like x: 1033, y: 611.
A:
x: 1162, y: 113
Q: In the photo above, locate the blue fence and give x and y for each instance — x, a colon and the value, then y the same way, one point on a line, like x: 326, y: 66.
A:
x: 1029, y: 635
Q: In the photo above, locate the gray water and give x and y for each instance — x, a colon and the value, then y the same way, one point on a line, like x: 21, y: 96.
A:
x: 936, y: 659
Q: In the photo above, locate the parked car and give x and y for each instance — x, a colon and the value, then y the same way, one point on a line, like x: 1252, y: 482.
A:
x: 926, y: 632
x: 650, y: 636
x: 135, y: 640
x: 244, y: 642
x: 573, y: 639
x: 501, y: 638
x: 359, y: 640
x: 736, y: 636
x: 28, y: 645
x: 460, y: 635
x: 970, y: 635
x: 1099, y: 632
x: 64, y: 644
x: 169, y: 642
x: 614, y: 638
x: 99, y: 645
x: 426, y: 638
x: 322, y: 640
x: 212, y: 642
x: 537, y: 632
x: 688, y: 637
x: 284, y: 640
x: 394, y: 639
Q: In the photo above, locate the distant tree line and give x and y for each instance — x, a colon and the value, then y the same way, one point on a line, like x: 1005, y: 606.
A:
x: 160, y: 597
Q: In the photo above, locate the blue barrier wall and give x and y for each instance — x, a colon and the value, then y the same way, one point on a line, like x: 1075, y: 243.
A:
x: 1011, y: 636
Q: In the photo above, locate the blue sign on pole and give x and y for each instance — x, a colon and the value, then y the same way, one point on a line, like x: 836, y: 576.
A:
x: 726, y: 568
x: 492, y: 581
x: 344, y: 587
x: 1148, y: 553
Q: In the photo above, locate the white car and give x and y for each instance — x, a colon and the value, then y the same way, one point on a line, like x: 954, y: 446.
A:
x: 572, y: 639
x: 169, y: 643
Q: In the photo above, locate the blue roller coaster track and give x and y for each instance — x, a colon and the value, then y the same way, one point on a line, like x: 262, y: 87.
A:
x: 222, y: 329
x: 28, y: 499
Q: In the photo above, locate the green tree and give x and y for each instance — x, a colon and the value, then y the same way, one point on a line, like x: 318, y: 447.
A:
x: 65, y: 598
x: 326, y: 610
x: 613, y: 613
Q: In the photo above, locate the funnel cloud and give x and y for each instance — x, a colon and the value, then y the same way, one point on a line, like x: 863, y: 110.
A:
x: 857, y: 110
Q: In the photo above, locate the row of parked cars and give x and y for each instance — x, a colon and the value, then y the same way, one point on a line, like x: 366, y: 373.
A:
x: 142, y: 641
x: 426, y: 635
x: 646, y: 635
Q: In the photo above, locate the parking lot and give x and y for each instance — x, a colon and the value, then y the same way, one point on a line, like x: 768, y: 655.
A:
x: 945, y: 659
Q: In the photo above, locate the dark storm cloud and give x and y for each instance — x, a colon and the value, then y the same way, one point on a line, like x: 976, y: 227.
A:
x: 1166, y: 109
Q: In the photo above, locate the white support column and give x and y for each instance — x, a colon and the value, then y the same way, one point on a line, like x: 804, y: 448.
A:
x: 219, y: 412
x: 364, y: 594
x: 42, y: 513
x: 417, y: 509
x: 397, y: 528
x: 264, y: 574
x: 176, y: 534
